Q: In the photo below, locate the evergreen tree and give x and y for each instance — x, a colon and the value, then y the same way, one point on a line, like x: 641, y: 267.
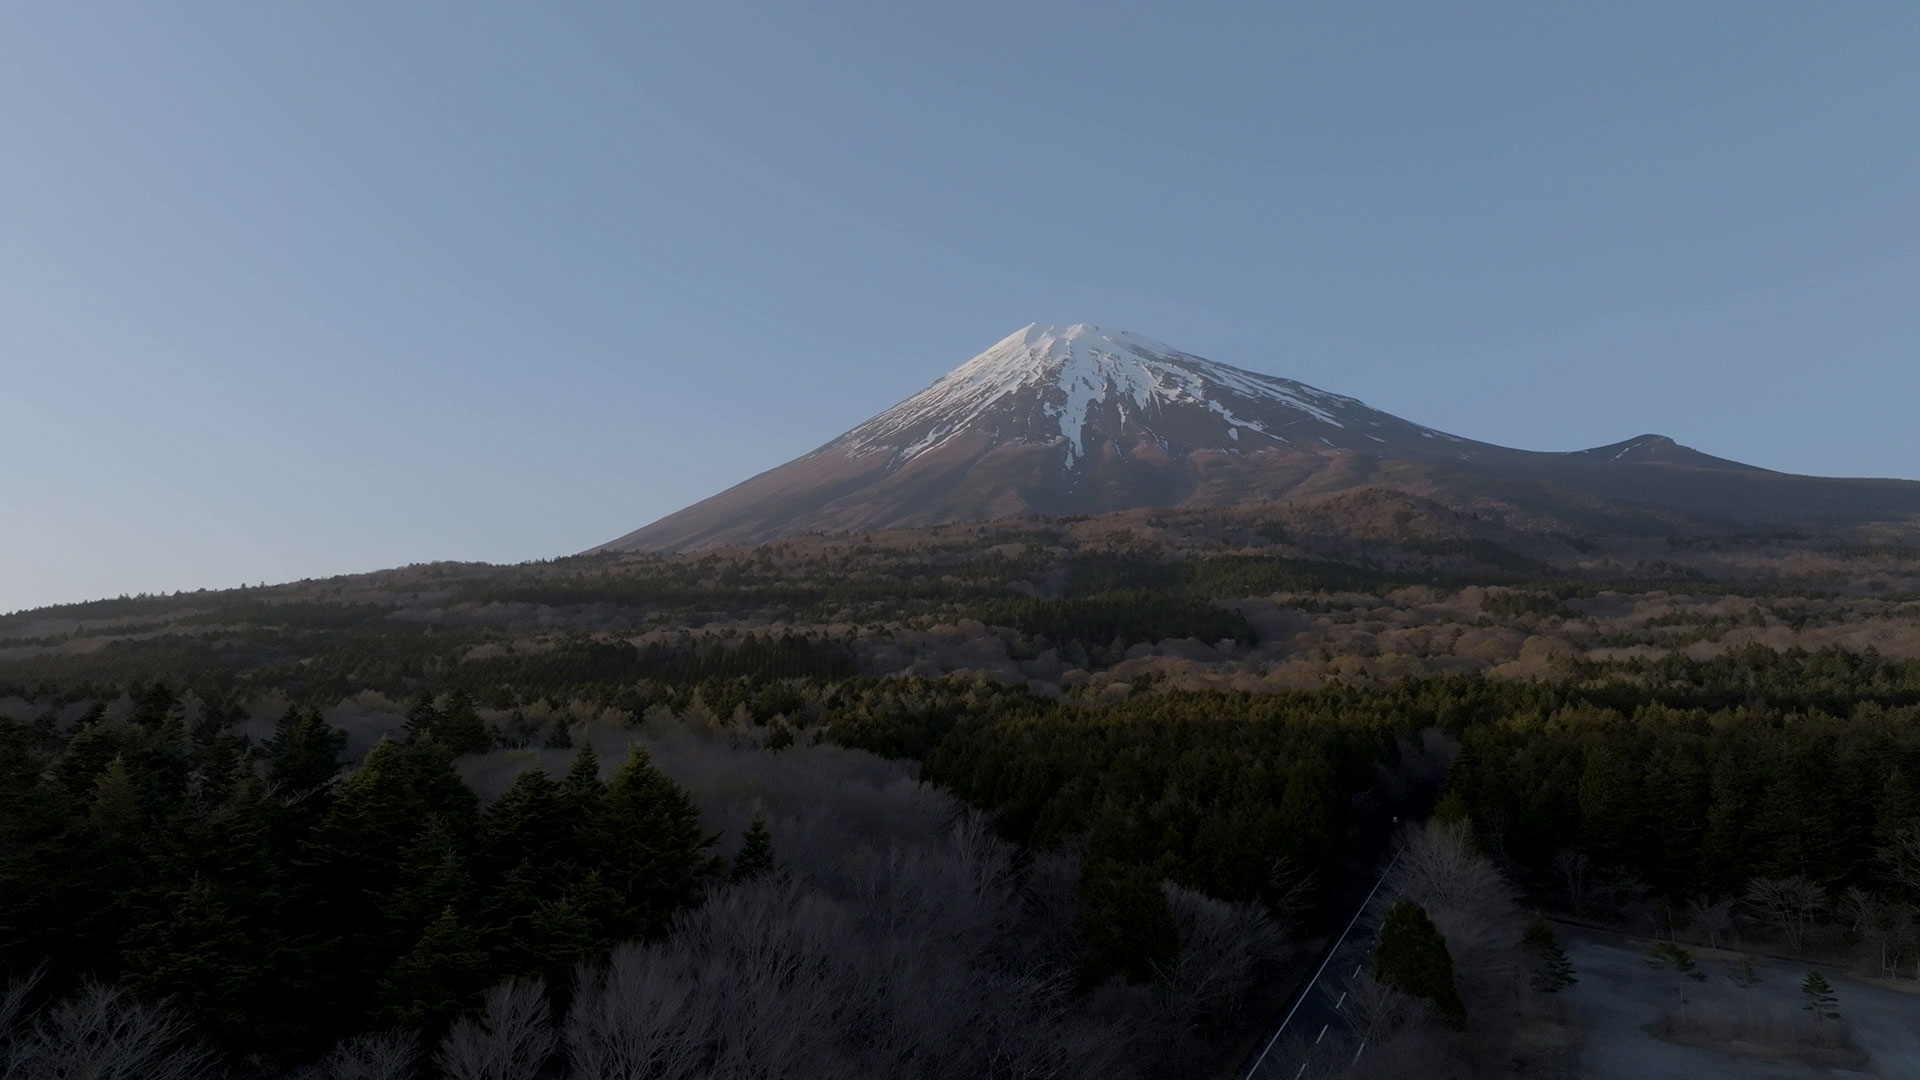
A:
x: 370, y: 820
x: 115, y: 808
x: 460, y: 728
x: 159, y: 762
x: 434, y: 788
x: 1898, y: 806
x: 1311, y: 806
x: 381, y: 807
x: 197, y: 955
x: 1552, y: 969
x: 1670, y: 956
x: 1122, y: 925
x: 1610, y: 804
x: 755, y: 857
x: 1821, y: 1001
x: 368, y: 847
x: 155, y: 707
x: 1411, y: 956
x: 89, y: 750
x: 518, y: 731
x: 423, y: 719
x: 214, y: 723
x: 583, y: 802
x: 95, y: 714
x: 583, y: 789
x: 1731, y: 850
x: 529, y: 840
x: 1675, y: 800
x: 1451, y: 808
x: 649, y: 844
x: 45, y: 835
x: 559, y: 736
x: 443, y: 974
x: 433, y: 878
x: 304, y: 753
x: 529, y: 821
x: 574, y: 928
x: 216, y: 753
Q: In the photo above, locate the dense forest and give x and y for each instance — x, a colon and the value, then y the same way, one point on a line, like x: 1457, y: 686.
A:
x: 1099, y: 796
x: 281, y: 904
x: 403, y: 915
x: 279, y: 908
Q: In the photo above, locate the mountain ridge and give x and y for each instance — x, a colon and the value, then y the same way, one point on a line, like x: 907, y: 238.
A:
x: 1081, y: 419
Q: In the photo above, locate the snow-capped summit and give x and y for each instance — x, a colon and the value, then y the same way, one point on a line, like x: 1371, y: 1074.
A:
x: 1082, y: 419
x: 1074, y: 386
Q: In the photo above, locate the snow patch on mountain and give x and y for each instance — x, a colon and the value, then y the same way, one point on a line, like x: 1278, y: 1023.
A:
x: 1069, y: 375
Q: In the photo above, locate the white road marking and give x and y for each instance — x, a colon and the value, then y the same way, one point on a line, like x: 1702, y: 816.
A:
x: 1341, y: 940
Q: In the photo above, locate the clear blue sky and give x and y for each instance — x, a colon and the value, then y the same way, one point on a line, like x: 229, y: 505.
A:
x: 292, y: 289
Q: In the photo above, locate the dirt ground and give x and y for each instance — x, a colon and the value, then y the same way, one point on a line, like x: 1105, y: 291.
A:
x: 1619, y: 994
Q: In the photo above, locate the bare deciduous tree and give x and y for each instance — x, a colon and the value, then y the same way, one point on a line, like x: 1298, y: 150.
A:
x: 102, y: 1034
x: 903, y: 939
x: 1788, y: 904
x: 1467, y: 898
x: 511, y: 1039
x: 1374, y: 1010
x: 1222, y: 946
x: 1571, y: 868
x: 636, y: 1020
x: 1901, y: 858
x: 1859, y: 908
x: 388, y: 1055
x: 1713, y: 918
x: 13, y: 1000
x: 1439, y: 867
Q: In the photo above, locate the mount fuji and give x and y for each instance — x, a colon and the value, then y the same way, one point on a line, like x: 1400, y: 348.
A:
x: 1080, y: 420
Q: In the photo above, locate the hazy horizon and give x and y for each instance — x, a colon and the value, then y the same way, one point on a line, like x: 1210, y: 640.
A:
x: 294, y: 292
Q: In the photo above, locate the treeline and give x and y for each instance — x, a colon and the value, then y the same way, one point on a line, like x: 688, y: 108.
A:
x: 1692, y: 777
x: 278, y: 907
x: 813, y: 588
x: 399, y: 659
x: 1830, y: 680
x: 1120, y: 618
x: 1239, y: 796
x: 1698, y: 802
x: 585, y: 666
x: 1218, y: 577
x: 1126, y: 598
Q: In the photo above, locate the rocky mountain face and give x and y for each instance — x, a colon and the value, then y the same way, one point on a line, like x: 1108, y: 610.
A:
x: 1082, y: 420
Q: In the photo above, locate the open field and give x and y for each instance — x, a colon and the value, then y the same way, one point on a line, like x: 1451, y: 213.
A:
x: 1619, y: 994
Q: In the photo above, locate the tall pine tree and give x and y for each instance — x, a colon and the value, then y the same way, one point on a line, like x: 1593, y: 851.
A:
x: 755, y: 857
x: 460, y: 728
x: 1552, y: 970
x: 1122, y: 924
x: 650, y: 846
x: 304, y: 753
x: 444, y: 974
x: 1411, y: 956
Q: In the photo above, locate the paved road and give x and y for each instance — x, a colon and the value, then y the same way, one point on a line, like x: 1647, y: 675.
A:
x: 1314, y: 1025
x: 1374, y: 829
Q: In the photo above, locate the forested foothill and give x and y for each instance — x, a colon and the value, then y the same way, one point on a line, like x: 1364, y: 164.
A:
x: 1040, y: 798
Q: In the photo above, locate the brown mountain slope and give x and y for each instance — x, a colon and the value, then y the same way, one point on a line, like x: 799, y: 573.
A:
x: 1078, y: 420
